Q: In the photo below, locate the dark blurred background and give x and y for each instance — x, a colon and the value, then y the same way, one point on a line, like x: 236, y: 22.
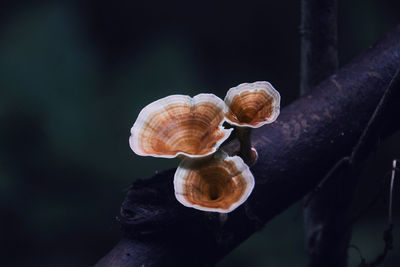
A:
x: 73, y: 78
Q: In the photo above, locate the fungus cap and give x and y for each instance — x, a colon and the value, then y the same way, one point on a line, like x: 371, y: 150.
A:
x: 218, y: 184
x: 180, y: 125
x: 252, y: 104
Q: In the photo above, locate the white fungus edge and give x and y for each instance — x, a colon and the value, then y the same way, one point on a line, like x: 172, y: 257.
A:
x: 255, y: 86
x: 155, y: 106
x: 184, y: 168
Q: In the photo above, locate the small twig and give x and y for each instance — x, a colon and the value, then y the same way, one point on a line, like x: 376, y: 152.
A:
x: 388, y: 233
x: 390, y: 221
x: 343, y: 162
x: 372, y: 130
x: 370, y: 133
x: 366, y: 208
x: 379, y: 195
x: 388, y: 239
x: 363, y: 262
x: 368, y: 140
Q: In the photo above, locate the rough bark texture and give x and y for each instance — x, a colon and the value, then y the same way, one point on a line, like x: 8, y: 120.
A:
x: 318, y: 53
x: 327, y: 230
x: 310, y: 135
x: 328, y: 215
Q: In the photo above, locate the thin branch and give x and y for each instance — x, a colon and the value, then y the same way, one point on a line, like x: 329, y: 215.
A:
x: 370, y: 135
x: 363, y: 262
x: 342, y: 163
x: 388, y: 233
x: 390, y: 220
x: 365, y: 209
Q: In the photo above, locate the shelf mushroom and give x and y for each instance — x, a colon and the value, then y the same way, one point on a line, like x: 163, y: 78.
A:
x: 251, y: 105
x: 180, y: 125
x: 219, y: 183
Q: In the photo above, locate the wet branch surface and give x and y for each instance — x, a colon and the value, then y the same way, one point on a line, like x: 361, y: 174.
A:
x: 310, y: 135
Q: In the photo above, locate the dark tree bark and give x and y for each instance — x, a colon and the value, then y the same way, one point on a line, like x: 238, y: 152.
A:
x: 310, y: 135
x: 329, y: 216
x: 326, y: 229
x: 318, y: 51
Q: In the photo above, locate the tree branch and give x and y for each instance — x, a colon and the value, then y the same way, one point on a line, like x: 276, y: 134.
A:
x: 319, y: 59
x: 318, y: 47
x: 328, y: 218
x: 310, y: 135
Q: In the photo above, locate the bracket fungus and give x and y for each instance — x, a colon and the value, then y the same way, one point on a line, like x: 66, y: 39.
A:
x: 180, y: 125
x: 219, y: 183
x: 251, y: 105
x: 207, y: 178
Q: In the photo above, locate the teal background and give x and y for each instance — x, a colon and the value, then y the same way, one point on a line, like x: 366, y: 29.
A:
x: 74, y: 76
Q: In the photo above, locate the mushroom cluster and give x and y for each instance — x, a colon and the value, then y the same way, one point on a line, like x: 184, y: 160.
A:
x: 207, y: 178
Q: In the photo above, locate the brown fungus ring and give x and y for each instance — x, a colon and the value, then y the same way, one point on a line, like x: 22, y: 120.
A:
x: 180, y: 125
x: 247, y: 106
x: 217, y: 184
